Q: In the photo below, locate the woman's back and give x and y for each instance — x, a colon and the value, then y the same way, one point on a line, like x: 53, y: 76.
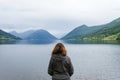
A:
x: 60, y: 67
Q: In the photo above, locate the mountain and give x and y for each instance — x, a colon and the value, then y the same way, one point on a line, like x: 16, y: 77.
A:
x: 26, y: 34
x: 82, y: 31
x: 7, y: 36
x: 109, y: 31
x: 22, y: 35
x: 41, y: 34
x: 14, y: 33
x: 34, y: 34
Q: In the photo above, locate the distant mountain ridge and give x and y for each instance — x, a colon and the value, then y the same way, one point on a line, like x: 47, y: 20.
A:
x: 109, y: 31
x: 22, y: 35
x: 41, y: 34
x: 34, y: 34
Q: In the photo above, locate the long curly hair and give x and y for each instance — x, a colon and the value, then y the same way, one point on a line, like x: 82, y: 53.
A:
x: 59, y: 48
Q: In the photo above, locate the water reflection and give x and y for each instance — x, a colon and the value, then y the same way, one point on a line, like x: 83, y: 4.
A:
x: 91, y: 41
x: 8, y: 41
x: 45, y: 41
x: 40, y: 41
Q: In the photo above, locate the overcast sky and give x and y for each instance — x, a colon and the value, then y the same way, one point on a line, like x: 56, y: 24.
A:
x: 56, y: 16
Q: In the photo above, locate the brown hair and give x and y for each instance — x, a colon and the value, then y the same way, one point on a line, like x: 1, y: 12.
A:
x: 59, y: 48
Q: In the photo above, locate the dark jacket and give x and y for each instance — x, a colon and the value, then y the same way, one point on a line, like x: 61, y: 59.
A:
x: 60, y: 67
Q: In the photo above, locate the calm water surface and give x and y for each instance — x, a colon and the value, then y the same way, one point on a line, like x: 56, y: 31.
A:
x: 30, y: 62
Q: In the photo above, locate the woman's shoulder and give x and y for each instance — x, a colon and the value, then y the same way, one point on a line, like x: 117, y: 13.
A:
x: 67, y: 57
x: 56, y: 56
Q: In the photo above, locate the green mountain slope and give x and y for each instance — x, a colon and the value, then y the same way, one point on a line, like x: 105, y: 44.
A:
x: 82, y: 31
x: 110, y: 31
x: 6, y: 36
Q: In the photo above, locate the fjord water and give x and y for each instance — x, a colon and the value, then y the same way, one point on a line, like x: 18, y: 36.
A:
x: 30, y: 62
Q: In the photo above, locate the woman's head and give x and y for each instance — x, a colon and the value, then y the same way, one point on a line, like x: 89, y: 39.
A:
x: 59, y: 48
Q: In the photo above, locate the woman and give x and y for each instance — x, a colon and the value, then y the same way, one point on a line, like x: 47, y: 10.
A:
x: 60, y: 66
